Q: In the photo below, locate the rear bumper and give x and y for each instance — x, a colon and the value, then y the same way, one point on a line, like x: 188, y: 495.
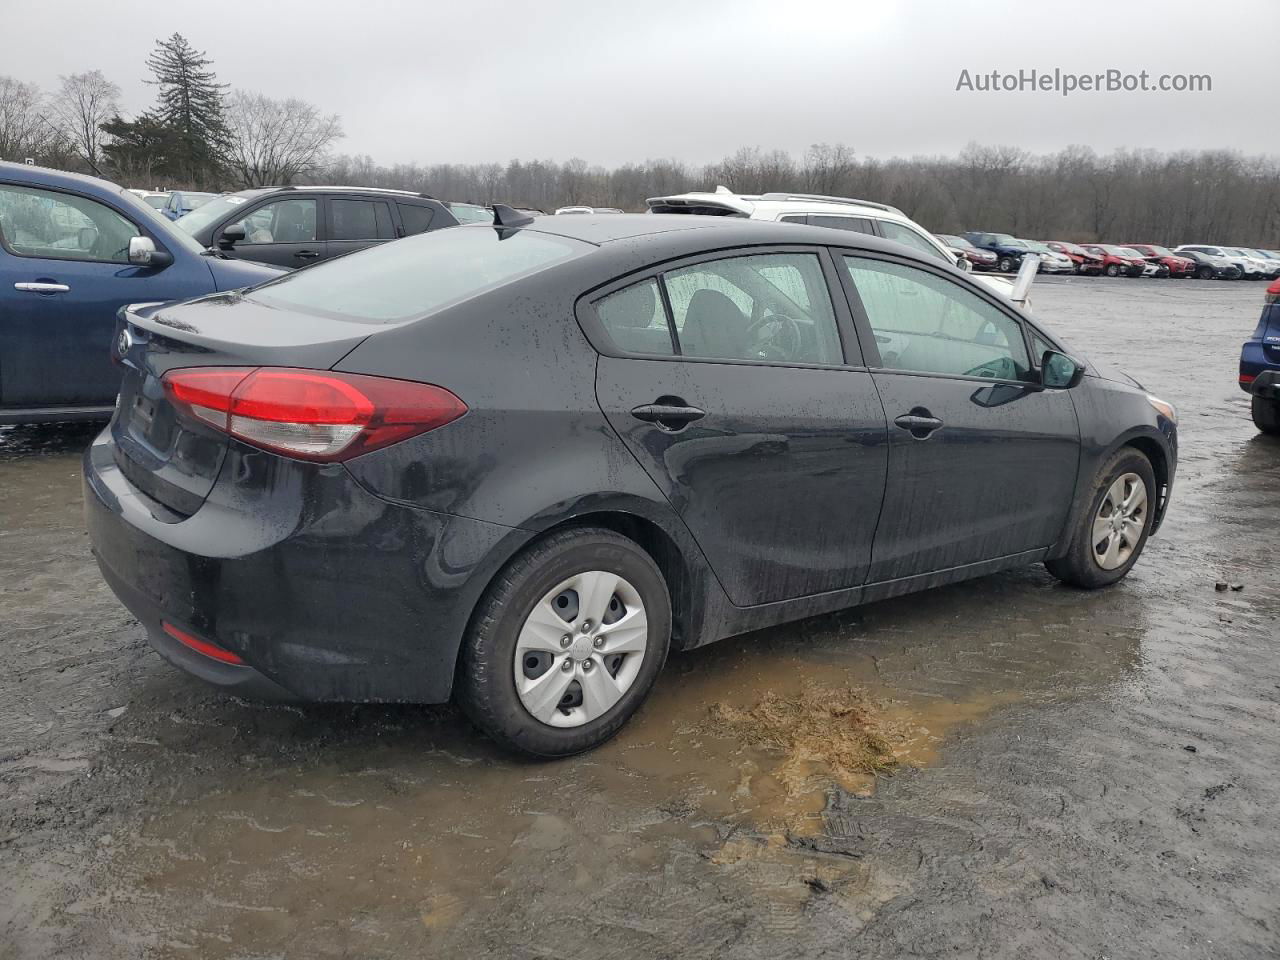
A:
x: 326, y: 591
x: 1266, y: 384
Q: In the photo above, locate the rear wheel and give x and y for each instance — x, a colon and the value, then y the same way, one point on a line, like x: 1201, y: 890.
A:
x: 1110, y: 536
x: 566, y: 643
x: 1266, y: 414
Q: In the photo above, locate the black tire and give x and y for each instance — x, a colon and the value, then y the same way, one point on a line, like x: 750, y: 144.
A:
x: 1079, y: 566
x: 1112, y: 270
x: 1006, y: 265
x: 485, y: 686
x: 1266, y: 414
x: 1205, y: 273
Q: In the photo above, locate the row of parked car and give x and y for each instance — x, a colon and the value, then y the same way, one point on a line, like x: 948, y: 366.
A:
x: 1004, y: 253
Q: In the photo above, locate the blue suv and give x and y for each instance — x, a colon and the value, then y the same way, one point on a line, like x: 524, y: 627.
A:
x: 73, y: 251
x: 1009, y: 250
x: 1260, y: 365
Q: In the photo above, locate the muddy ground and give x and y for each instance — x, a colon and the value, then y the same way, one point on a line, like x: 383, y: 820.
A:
x: 1084, y: 775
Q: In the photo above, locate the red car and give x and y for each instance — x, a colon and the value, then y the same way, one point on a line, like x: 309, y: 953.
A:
x: 960, y: 247
x: 1085, y: 262
x: 1115, y: 262
x: 1172, y: 265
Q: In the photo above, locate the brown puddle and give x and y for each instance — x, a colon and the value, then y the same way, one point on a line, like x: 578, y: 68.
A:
x: 400, y: 827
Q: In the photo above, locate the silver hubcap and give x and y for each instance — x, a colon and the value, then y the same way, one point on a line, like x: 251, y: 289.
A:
x: 1121, y: 518
x: 580, y: 649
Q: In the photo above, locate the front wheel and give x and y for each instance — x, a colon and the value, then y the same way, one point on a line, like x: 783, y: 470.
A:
x: 1110, y: 536
x: 1112, y: 270
x: 1266, y: 414
x: 1006, y: 265
x: 566, y: 643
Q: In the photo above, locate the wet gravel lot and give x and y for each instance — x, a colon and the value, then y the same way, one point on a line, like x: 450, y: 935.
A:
x: 1084, y: 774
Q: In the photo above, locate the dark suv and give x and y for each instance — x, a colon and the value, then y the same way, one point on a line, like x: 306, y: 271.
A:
x: 1260, y: 365
x: 294, y: 226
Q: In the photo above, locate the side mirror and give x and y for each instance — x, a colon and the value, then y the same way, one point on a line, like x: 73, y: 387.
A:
x: 1060, y: 372
x: 964, y: 264
x: 231, y: 235
x: 143, y: 253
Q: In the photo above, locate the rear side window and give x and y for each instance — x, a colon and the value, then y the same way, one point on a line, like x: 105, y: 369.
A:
x: 418, y: 276
x: 764, y: 308
x: 359, y: 220
x: 636, y: 321
x: 415, y: 218
x: 856, y: 224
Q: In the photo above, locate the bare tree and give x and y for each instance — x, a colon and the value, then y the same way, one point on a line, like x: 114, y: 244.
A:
x: 82, y: 105
x: 277, y: 141
x: 25, y: 130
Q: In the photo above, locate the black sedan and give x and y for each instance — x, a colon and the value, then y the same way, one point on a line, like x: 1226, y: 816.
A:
x: 517, y: 464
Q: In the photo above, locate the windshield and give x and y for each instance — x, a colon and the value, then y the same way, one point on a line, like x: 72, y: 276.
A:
x: 157, y: 225
x: 1004, y: 240
x: 418, y: 276
x: 958, y: 242
x: 1073, y: 248
x: 1161, y: 251
x: 210, y: 212
x: 471, y: 213
x: 156, y: 200
x: 1115, y: 251
x: 1036, y: 246
x: 193, y: 200
x: 1131, y: 253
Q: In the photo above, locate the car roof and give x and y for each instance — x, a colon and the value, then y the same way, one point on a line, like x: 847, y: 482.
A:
x: 46, y: 176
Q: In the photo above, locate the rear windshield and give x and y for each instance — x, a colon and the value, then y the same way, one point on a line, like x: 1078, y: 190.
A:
x: 417, y: 276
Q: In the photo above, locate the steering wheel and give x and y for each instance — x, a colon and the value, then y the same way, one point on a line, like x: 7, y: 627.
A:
x: 999, y: 368
x: 776, y: 336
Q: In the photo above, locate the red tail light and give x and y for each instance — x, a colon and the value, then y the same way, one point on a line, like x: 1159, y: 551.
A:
x: 210, y: 650
x: 1273, y: 293
x: 311, y: 414
x: 1247, y: 378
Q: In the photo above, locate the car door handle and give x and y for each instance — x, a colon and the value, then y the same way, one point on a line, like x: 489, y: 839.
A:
x: 306, y: 255
x: 670, y: 416
x: 42, y: 287
x: 919, y: 423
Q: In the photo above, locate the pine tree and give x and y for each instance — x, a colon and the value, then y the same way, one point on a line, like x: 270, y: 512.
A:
x: 191, y: 103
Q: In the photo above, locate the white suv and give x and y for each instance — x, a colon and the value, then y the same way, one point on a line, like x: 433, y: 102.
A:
x: 841, y: 213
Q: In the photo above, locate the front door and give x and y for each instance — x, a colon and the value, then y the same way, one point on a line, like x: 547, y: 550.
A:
x: 738, y: 403
x: 64, y: 272
x: 283, y: 232
x: 982, y: 463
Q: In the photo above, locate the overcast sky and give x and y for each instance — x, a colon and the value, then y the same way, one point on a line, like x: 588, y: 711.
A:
x: 608, y: 81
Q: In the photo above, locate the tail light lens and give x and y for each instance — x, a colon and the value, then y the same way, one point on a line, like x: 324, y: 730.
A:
x: 1273, y: 292
x: 310, y: 414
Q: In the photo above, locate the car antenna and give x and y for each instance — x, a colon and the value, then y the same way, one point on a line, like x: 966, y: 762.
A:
x: 504, y: 216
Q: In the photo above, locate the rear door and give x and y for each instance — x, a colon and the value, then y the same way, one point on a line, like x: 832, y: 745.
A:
x: 728, y: 380
x: 64, y: 272
x: 982, y: 462
x: 284, y: 231
x: 356, y: 222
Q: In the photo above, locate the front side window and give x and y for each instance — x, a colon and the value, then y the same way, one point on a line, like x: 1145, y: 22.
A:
x: 767, y: 307
x: 359, y: 220
x: 928, y: 324
x: 905, y: 235
x: 282, y: 221
x: 62, y: 226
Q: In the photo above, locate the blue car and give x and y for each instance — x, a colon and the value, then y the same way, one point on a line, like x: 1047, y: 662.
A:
x: 1260, y: 365
x: 182, y: 202
x: 73, y: 251
x: 1009, y: 250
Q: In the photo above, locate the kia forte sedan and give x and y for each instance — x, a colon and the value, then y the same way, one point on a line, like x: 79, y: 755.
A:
x: 516, y: 465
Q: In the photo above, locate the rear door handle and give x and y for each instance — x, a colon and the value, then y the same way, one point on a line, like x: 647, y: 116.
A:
x: 919, y: 423
x: 42, y: 287
x: 675, y: 415
x: 306, y: 255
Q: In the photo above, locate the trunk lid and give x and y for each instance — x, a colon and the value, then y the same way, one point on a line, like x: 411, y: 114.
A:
x: 175, y: 460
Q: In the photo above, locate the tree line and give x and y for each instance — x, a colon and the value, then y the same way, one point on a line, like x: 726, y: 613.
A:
x: 201, y: 133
